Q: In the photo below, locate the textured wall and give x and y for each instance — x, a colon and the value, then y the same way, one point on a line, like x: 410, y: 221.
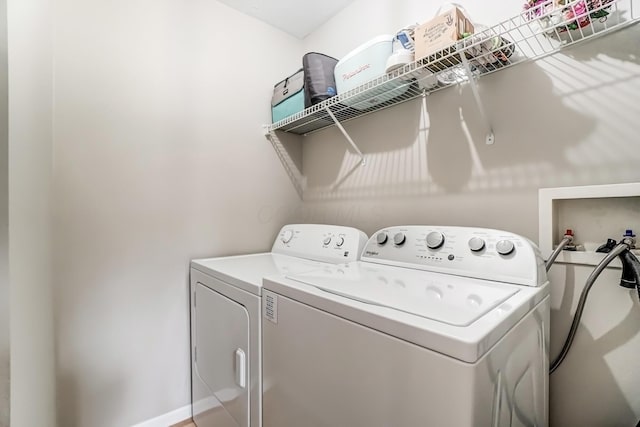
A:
x: 159, y: 158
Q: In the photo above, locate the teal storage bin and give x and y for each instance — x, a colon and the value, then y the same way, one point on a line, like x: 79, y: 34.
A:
x: 288, y: 97
x: 293, y: 104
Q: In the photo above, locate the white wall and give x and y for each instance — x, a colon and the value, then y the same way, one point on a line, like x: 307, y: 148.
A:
x: 158, y: 158
x: 4, y: 224
x: 570, y: 119
x: 30, y: 137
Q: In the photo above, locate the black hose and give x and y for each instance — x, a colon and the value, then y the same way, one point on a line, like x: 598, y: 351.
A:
x: 581, y: 303
x: 630, y: 271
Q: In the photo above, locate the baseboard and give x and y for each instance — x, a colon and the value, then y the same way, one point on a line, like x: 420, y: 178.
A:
x: 188, y: 422
x: 168, y: 419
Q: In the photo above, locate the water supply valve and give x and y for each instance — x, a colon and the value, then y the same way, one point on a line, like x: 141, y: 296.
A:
x: 570, y: 246
x: 566, y: 244
x: 629, y: 238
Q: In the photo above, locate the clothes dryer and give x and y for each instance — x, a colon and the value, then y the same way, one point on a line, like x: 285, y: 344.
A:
x: 435, y: 326
x: 226, y: 321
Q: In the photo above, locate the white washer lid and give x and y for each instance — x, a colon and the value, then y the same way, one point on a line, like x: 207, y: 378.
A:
x: 246, y: 271
x: 466, y: 343
x: 453, y: 300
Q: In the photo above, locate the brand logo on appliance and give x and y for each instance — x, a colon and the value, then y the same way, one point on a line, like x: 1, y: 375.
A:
x: 449, y: 20
x: 371, y: 253
x: 347, y: 76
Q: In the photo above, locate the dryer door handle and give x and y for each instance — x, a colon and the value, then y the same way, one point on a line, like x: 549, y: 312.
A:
x: 241, y: 371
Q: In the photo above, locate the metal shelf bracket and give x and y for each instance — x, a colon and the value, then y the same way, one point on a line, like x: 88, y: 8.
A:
x: 295, y: 175
x: 489, y: 138
x: 347, y: 137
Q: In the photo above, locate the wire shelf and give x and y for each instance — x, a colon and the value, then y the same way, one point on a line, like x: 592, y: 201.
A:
x: 533, y: 34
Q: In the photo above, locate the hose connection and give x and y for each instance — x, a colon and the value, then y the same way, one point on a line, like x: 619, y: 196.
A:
x: 630, y: 264
x: 565, y: 244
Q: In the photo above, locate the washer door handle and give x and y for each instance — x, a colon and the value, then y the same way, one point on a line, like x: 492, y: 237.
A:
x: 241, y: 371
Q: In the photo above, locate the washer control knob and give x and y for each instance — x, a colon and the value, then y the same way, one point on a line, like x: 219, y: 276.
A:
x: 340, y: 241
x: 476, y: 244
x: 435, y: 239
x: 287, y: 236
x: 399, y: 239
x: 505, y: 247
x: 381, y: 238
x: 326, y: 240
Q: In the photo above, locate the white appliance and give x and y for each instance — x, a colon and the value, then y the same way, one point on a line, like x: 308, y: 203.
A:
x: 435, y: 326
x: 225, y: 318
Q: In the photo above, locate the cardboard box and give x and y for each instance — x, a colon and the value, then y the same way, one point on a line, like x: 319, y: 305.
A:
x: 441, y: 32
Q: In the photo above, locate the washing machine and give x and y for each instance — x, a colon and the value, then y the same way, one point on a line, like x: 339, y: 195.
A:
x: 226, y: 321
x: 434, y: 326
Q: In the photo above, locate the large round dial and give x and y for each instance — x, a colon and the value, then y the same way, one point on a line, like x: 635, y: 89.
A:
x: 381, y: 238
x: 326, y: 240
x: 399, y: 239
x: 476, y: 244
x: 435, y: 239
x: 505, y: 247
x: 340, y: 241
x: 287, y: 236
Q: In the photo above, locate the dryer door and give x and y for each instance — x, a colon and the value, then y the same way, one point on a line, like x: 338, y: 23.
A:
x: 221, y: 359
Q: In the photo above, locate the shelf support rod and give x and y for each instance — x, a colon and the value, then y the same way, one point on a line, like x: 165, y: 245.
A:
x: 490, y: 138
x: 347, y: 137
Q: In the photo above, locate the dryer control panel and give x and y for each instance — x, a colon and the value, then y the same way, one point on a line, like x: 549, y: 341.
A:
x: 464, y: 251
x: 328, y: 243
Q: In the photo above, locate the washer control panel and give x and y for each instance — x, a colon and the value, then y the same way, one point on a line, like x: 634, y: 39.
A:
x: 465, y: 251
x: 329, y: 243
